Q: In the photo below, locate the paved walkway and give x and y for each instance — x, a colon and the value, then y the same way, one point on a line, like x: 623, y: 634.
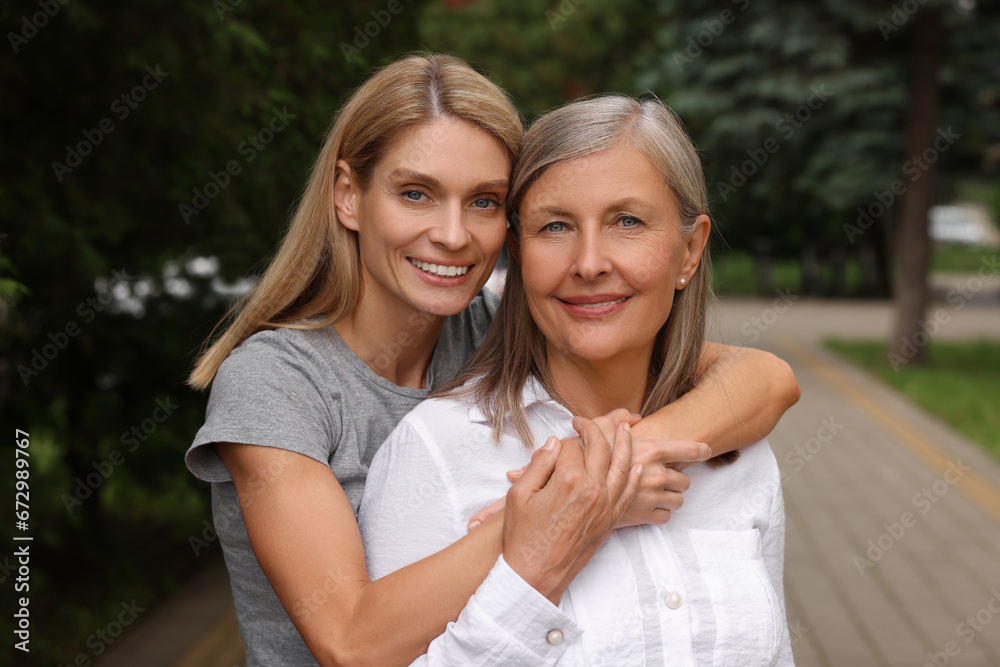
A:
x: 893, y: 544
x: 893, y: 531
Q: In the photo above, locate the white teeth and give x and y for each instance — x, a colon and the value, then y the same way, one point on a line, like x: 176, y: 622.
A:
x: 603, y: 303
x: 441, y: 270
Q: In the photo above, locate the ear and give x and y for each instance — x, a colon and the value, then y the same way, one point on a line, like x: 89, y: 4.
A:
x: 695, y: 247
x: 346, y: 197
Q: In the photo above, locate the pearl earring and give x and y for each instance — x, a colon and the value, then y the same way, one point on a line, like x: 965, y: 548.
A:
x: 683, y: 282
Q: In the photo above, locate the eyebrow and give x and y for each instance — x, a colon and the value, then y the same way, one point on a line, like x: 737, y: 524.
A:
x: 401, y: 173
x: 626, y: 203
x: 550, y: 210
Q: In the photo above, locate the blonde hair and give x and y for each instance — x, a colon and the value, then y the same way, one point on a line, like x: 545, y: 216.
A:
x: 317, y: 269
x: 514, y: 348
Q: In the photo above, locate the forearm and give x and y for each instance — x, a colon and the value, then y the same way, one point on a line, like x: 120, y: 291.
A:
x: 396, y: 617
x: 739, y: 398
x: 507, y: 622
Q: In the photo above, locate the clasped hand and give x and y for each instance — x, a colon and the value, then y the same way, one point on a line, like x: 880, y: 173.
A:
x: 662, y: 482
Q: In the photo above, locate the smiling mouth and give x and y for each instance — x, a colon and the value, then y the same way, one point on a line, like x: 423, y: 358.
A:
x: 602, y: 304
x: 443, y: 270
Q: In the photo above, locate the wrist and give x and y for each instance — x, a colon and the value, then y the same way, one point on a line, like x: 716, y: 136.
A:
x: 550, y: 583
x: 653, y: 427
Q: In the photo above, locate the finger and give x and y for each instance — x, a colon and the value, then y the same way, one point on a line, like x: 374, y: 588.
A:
x: 609, y: 423
x: 536, y: 474
x: 628, y: 493
x: 659, y: 516
x: 669, y: 500
x: 485, y: 513
x: 620, y: 462
x: 597, y: 448
x: 571, y: 465
x: 684, y: 451
x: 675, y: 480
x: 514, y: 475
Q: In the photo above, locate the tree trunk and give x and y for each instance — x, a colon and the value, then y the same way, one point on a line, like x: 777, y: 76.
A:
x: 913, y: 246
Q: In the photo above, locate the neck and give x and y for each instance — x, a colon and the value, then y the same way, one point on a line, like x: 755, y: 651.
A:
x: 395, y: 342
x: 594, y: 388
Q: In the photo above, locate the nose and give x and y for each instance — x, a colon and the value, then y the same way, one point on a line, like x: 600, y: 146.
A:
x: 594, y: 255
x: 450, y: 230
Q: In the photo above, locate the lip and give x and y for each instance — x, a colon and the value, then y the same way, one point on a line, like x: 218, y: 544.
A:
x: 583, y: 305
x: 441, y: 262
x: 440, y: 281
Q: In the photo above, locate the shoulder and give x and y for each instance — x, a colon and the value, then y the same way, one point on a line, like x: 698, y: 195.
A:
x: 436, y: 430
x: 752, y: 480
x: 292, y: 360
x: 281, y: 346
x: 273, y: 390
x: 440, y: 419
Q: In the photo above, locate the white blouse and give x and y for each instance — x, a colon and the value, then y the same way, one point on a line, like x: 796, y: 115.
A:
x: 703, y: 589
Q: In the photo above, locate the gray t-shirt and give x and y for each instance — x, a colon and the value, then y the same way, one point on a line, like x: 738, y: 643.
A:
x: 306, y: 391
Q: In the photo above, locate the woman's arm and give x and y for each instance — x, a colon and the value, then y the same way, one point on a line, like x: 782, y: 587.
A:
x: 740, y: 396
x: 305, y: 537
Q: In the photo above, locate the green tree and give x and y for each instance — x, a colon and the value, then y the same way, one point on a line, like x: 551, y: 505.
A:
x: 140, y: 138
x: 543, y: 54
x: 800, y: 107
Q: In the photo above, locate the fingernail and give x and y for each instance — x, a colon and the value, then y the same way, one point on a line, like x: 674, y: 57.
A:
x: 627, y: 427
x: 474, y: 524
x: 550, y: 443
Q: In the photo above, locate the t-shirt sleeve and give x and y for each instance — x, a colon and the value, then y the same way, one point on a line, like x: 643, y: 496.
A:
x: 267, y: 392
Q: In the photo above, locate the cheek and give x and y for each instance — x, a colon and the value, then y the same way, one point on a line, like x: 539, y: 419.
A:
x: 542, y: 269
x: 492, y: 237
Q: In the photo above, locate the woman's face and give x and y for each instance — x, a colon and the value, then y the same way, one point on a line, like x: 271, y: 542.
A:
x: 602, y: 253
x: 431, y: 223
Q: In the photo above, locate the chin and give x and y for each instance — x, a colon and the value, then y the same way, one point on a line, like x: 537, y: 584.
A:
x: 444, y: 307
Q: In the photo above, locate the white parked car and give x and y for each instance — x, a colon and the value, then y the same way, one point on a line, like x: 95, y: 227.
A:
x: 959, y: 224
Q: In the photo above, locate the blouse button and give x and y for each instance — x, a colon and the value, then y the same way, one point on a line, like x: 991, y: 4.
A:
x: 554, y: 636
x: 673, y: 599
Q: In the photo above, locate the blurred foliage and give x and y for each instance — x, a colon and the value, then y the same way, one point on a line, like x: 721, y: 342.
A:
x: 822, y: 88
x: 544, y: 54
x: 81, y: 369
x: 224, y: 68
x: 798, y: 107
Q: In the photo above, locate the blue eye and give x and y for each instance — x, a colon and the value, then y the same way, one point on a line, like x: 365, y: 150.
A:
x: 413, y: 195
x: 485, y: 202
x: 629, y: 222
x: 554, y: 227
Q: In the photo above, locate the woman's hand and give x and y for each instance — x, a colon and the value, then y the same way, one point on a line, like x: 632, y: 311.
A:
x: 661, y: 486
x: 566, y: 503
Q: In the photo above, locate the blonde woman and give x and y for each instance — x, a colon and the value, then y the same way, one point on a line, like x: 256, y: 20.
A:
x: 603, y: 307
x: 372, y: 300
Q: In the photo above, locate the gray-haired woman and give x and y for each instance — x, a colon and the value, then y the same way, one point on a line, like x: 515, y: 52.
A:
x: 603, y: 307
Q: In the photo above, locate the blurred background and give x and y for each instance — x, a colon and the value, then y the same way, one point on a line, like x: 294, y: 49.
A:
x: 153, y: 151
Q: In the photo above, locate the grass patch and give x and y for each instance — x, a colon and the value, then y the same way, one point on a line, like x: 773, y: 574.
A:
x: 960, y: 383
x: 959, y: 259
x: 736, y: 274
